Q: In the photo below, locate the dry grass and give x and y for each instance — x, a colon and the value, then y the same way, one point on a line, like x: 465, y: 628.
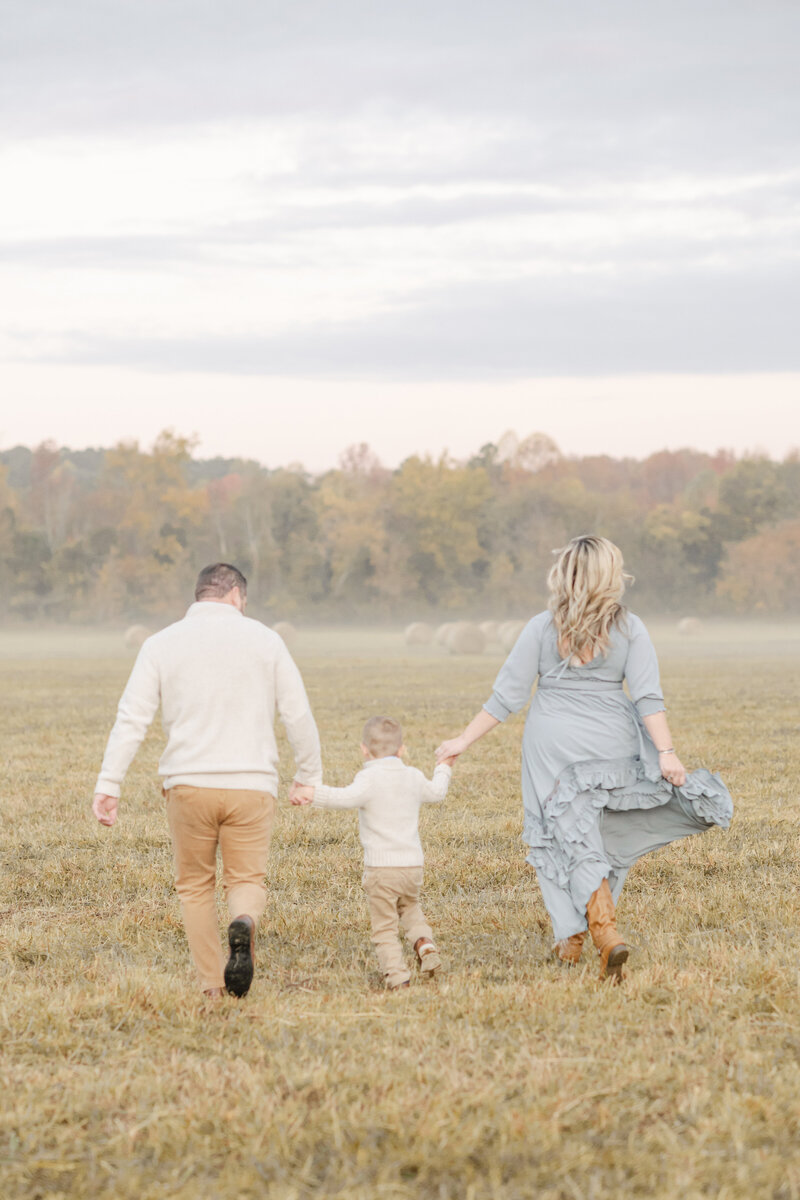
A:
x: 509, y: 1078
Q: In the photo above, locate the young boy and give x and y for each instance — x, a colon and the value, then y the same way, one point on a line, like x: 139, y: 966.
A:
x: 388, y: 795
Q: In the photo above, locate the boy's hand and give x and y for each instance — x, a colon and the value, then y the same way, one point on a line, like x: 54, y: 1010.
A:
x: 301, y: 793
x: 447, y: 762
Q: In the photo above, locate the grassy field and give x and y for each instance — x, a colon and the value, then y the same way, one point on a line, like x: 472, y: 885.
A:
x: 509, y: 1077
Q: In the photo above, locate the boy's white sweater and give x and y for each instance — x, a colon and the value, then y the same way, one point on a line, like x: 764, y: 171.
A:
x: 388, y: 795
x: 218, y: 677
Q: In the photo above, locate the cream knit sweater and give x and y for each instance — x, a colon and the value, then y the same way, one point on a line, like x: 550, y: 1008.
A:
x: 388, y: 795
x: 218, y: 677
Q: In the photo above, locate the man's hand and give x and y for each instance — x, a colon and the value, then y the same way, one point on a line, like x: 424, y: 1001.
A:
x: 105, y: 808
x: 301, y: 793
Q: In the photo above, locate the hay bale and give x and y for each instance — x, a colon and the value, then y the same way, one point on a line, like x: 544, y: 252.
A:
x: 286, y: 630
x: 688, y: 626
x: 466, y: 638
x: 135, y: 636
x: 442, y: 633
x: 509, y: 632
x: 418, y: 634
x: 490, y: 630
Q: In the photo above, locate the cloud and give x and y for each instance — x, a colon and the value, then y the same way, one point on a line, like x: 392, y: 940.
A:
x: 495, y: 190
x: 703, y: 322
x: 106, y: 253
x: 679, y: 223
x: 592, y: 87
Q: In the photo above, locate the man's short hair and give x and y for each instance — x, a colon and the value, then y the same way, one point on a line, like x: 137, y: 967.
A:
x: 216, y: 581
x: 382, y: 736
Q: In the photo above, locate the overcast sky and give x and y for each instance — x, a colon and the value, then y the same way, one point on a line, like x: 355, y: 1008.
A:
x: 291, y: 226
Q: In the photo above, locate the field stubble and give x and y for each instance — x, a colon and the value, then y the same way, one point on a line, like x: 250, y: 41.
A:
x: 509, y: 1077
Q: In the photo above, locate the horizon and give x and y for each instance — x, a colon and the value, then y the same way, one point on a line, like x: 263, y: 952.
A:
x: 500, y: 442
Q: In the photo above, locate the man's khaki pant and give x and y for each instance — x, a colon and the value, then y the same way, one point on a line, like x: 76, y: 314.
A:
x: 240, y: 823
x: 393, y: 896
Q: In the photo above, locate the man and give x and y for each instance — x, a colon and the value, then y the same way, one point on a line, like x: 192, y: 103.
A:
x: 218, y: 676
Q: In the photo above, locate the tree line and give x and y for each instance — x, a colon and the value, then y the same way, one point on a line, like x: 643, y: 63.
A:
x: 119, y: 534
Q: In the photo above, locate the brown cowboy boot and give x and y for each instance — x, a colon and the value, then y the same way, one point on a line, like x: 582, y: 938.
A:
x: 568, y: 950
x: 610, y: 946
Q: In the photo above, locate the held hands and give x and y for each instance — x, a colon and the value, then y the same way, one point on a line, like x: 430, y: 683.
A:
x: 301, y: 793
x: 672, y: 769
x: 449, y: 751
x: 105, y: 808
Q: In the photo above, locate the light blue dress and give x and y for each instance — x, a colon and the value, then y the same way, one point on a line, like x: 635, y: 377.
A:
x: 592, y: 790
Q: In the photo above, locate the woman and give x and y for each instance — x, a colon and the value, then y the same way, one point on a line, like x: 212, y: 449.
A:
x: 601, y: 782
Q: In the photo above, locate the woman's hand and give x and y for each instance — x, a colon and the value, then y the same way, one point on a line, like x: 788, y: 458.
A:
x: 672, y: 769
x: 480, y: 724
x: 671, y: 766
x: 451, y: 749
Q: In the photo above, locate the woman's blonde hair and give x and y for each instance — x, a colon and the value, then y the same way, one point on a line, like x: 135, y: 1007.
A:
x: 586, y: 585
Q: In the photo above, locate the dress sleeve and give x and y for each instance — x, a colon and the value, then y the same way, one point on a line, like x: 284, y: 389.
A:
x: 641, y: 670
x: 513, y: 686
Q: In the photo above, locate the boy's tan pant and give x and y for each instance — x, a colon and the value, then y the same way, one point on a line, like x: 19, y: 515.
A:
x: 240, y: 822
x: 393, y: 897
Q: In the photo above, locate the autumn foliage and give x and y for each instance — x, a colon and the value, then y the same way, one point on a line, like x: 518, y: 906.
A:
x: 119, y: 534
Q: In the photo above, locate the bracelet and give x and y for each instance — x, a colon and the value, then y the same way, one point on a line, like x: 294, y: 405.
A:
x: 669, y: 750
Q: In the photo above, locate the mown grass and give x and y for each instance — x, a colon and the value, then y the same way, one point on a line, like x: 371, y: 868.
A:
x: 508, y: 1078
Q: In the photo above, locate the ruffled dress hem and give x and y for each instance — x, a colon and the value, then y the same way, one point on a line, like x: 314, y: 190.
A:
x: 583, y: 789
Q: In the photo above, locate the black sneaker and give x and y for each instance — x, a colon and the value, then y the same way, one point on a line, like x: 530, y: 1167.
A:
x: 239, y: 968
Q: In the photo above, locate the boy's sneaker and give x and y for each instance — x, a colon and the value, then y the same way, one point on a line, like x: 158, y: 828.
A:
x: 239, y: 968
x: 427, y: 956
